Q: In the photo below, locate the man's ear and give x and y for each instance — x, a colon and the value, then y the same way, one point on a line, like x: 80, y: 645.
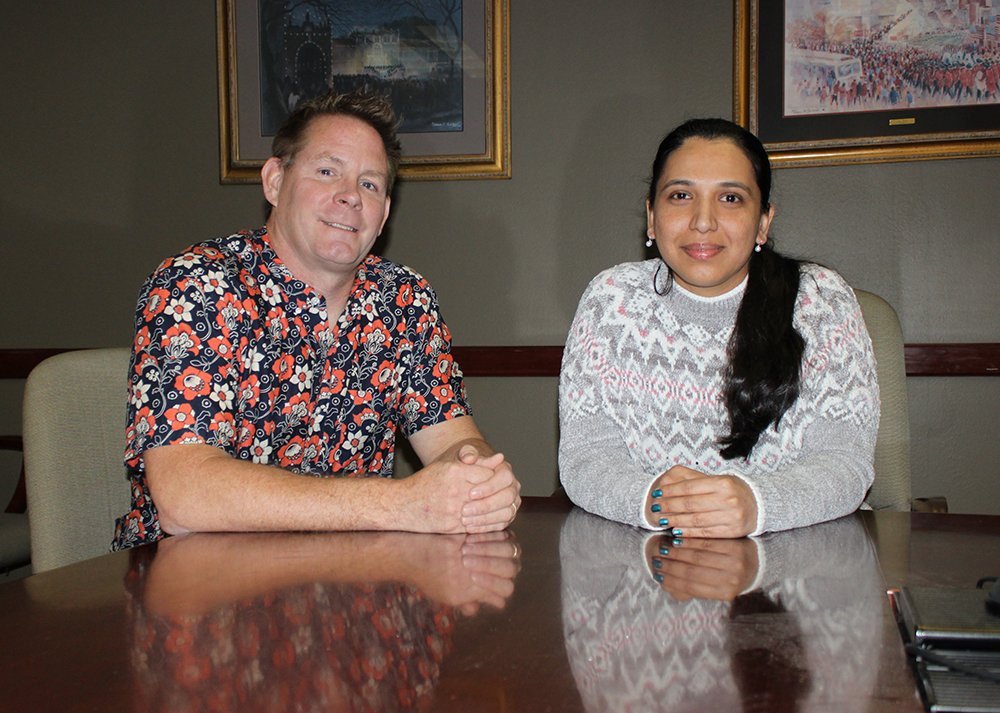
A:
x: 271, y: 176
x: 385, y: 214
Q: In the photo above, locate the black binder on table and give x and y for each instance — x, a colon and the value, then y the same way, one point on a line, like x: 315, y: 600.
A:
x: 954, y: 623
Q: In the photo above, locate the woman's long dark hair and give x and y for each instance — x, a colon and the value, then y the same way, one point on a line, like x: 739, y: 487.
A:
x: 765, y: 350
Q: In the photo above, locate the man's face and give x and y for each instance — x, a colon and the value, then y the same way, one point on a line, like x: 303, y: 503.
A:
x: 331, y: 203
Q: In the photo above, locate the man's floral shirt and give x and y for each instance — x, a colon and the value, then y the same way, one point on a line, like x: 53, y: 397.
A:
x: 232, y: 351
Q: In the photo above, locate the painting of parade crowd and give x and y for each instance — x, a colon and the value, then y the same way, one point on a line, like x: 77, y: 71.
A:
x: 865, y: 55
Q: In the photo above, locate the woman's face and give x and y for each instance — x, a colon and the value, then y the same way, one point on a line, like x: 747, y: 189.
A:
x: 706, y: 215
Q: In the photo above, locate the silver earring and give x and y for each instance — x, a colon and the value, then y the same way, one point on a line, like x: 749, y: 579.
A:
x: 757, y: 248
x: 649, y: 240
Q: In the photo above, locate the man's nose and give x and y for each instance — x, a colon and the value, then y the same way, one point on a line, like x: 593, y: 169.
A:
x: 349, y: 197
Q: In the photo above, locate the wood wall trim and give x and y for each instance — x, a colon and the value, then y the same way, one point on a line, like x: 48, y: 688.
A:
x: 508, y: 361
x: 18, y: 363
x: 952, y: 359
x: 921, y: 360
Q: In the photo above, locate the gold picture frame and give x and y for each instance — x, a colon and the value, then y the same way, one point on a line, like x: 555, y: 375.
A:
x: 842, y: 137
x: 481, y: 150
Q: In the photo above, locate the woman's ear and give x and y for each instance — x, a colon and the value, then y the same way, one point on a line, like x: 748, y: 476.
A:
x: 765, y: 224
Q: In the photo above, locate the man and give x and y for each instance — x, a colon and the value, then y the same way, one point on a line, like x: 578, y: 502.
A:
x: 289, y: 350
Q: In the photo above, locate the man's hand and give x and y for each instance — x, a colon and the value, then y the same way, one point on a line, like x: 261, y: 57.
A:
x: 466, y: 571
x: 495, y: 501
x: 433, y: 499
x: 694, y: 504
x: 491, y: 502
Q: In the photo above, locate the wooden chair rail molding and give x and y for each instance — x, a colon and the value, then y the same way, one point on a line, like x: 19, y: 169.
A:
x: 921, y: 360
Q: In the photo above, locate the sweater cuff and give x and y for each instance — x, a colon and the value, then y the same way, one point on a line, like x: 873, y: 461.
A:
x: 761, y: 566
x: 761, y: 515
x: 642, y: 506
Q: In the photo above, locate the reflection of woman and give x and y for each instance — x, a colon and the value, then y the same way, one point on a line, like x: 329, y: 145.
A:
x: 809, y: 625
x: 720, y: 390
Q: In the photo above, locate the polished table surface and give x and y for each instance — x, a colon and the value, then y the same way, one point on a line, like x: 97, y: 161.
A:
x: 389, y: 622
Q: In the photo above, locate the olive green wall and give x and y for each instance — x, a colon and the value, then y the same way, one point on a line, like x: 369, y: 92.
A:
x: 110, y: 163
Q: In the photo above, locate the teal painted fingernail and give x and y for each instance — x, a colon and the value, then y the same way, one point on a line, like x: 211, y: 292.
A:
x: 657, y: 563
x: 676, y: 533
x: 658, y: 577
x: 664, y: 522
x: 664, y: 551
x: 657, y: 493
x: 656, y: 508
x: 678, y: 543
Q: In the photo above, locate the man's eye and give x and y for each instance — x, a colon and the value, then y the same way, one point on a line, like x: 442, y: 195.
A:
x: 370, y: 186
x: 732, y: 198
x: 679, y: 195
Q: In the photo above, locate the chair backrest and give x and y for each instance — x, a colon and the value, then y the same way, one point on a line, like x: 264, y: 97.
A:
x: 74, y: 443
x: 891, y: 489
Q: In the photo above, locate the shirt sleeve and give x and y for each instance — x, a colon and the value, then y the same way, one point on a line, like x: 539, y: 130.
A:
x: 183, y: 381
x: 840, y: 400
x: 595, y: 466
x: 434, y: 389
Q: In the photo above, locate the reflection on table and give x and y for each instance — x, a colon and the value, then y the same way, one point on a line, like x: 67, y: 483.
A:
x: 397, y: 621
x: 304, y: 622
x: 803, y: 636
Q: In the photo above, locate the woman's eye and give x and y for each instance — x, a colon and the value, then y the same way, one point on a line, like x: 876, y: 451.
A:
x: 731, y: 198
x: 679, y: 195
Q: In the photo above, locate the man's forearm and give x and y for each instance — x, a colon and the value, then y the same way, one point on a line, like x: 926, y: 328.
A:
x: 238, y: 567
x: 198, y: 488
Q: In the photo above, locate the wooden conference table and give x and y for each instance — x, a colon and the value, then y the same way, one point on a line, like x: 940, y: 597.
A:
x: 352, y: 622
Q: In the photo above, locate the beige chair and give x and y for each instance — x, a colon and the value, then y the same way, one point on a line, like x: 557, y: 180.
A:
x: 891, y: 489
x: 74, y: 441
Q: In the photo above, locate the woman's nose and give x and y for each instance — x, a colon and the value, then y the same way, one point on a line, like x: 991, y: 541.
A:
x: 703, y: 219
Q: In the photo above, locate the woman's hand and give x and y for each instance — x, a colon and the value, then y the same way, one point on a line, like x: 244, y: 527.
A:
x: 707, y: 569
x: 693, y: 504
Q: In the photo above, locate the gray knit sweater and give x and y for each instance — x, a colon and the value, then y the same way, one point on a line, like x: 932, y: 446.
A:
x: 641, y: 391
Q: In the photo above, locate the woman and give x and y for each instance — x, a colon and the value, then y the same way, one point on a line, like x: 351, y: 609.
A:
x: 721, y: 390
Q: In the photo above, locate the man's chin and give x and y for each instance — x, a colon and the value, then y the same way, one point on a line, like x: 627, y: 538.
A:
x: 343, y: 257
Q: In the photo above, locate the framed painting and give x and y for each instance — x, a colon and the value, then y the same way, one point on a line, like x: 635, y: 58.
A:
x: 443, y: 64
x: 867, y: 81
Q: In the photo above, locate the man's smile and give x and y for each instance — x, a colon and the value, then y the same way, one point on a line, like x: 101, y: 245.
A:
x: 340, y: 225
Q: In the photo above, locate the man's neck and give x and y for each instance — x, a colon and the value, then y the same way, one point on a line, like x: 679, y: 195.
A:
x: 335, y: 288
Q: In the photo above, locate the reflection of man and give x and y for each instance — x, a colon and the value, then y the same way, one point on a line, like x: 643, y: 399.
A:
x: 295, y: 621
x: 290, y: 349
